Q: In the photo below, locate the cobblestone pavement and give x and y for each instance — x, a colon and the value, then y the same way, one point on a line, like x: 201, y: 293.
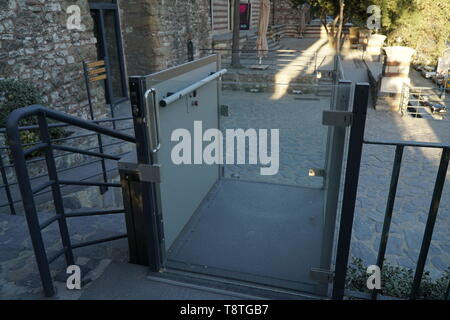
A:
x: 416, y: 184
x: 302, y: 137
x: 19, y: 278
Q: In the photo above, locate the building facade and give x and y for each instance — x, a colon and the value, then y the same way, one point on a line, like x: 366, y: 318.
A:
x: 222, y: 15
x: 133, y: 37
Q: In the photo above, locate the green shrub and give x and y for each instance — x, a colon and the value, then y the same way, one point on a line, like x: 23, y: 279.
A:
x: 16, y: 94
x: 397, y: 281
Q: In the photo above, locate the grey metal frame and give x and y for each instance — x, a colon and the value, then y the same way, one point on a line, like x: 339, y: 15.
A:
x: 334, y: 164
x: 142, y: 102
x: 150, y: 81
x: 55, y: 183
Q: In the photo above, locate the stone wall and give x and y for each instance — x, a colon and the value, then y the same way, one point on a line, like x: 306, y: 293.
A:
x: 284, y: 13
x: 221, y: 16
x: 37, y: 46
x: 156, y: 32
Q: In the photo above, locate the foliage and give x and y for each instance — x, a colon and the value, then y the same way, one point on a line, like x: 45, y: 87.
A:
x: 341, y: 10
x: 397, y: 281
x: 423, y: 25
x: 15, y: 94
x: 354, y: 10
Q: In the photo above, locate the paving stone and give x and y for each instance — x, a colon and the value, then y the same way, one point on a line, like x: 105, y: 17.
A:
x: 395, y: 244
x: 439, y: 263
x: 362, y: 231
x: 362, y: 251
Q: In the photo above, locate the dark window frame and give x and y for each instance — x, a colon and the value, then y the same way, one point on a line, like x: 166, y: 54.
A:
x: 98, y: 8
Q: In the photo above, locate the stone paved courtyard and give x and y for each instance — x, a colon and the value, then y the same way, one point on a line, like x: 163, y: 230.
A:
x: 302, y: 146
x: 302, y: 137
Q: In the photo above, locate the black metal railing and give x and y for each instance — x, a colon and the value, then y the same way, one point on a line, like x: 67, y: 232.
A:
x: 274, y: 59
x: 434, y: 208
x: 350, y: 191
x: 425, y: 102
x: 8, y: 181
x: 54, y: 183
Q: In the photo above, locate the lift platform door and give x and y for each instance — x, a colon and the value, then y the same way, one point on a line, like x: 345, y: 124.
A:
x: 232, y: 222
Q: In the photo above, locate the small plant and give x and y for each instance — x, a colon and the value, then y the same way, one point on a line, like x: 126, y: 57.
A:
x: 397, y: 281
x: 15, y: 94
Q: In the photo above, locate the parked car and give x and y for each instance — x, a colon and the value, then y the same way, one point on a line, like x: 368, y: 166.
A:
x: 418, y: 66
x: 434, y: 106
x: 428, y: 72
x: 413, y: 112
x: 412, y: 109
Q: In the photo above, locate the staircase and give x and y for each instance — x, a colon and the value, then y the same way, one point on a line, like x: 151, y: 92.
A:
x: 317, y: 30
x: 250, y: 44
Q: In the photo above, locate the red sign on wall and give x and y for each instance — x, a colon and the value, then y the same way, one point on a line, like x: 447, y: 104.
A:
x: 245, y: 15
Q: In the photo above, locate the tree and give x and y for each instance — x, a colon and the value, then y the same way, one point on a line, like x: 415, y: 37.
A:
x: 423, y: 25
x: 235, y: 59
x: 420, y: 24
x: 341, y: 10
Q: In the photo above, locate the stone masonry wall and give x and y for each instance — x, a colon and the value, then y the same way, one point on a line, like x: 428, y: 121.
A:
x: 284, y: 13
x: 156, y: 32
x: 36, y: 45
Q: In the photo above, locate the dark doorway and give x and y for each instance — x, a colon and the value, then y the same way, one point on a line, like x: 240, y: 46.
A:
x: 109, y: 48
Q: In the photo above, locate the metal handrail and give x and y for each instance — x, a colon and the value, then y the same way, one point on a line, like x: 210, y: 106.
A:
x: 65, y: 125
x: 255, y: 50
x: 68, y: 138
x: 8, y: 182
x: 416, y: 144
x: 12, y: 125
x: 55, y: 183
x: 197, y: 85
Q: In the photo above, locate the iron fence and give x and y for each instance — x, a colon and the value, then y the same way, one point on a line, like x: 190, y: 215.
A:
x: 55, y: 183
x: 9, y: 182
x: 274, y: 59
x: 425, y: 103
x: 356, y: 143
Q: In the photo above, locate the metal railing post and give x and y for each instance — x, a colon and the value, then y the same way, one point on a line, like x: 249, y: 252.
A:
x: 315, y: 62
x: 447, y: 293
x: 431, y: 221
x: 389, y: 209
x: 29, y: 206
x: 151, y: 219
x: 56, y: 190
x: 6, y: 186
x: 350, y: 188
x: 332, y: 181
x: 99, y: 136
